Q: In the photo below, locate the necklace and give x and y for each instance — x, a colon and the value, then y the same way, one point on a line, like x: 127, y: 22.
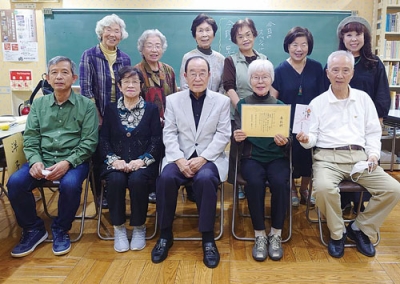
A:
x: 300, y: 91
x: 358, y: 60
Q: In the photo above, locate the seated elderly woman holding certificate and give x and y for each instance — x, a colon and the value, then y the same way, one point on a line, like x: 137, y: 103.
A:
x: 262, y: 159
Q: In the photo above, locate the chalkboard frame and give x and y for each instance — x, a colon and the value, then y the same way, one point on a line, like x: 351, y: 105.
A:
x: 268, y: 42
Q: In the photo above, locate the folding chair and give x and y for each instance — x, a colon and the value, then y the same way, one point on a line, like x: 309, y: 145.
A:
x: 344, y: 187
x: 235, y: 211
x: 219, y: 216
x: 3, y: 166
x: 14, y: 157
x: 109, y: 236
x: 13, y: 146
x: 53, y: 186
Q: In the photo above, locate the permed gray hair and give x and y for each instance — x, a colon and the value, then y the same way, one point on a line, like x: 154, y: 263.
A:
x: 337, y: 53
x: 261, y: 65
x: 57, y: 59
x: 109, y: 20
x: 142, y: 39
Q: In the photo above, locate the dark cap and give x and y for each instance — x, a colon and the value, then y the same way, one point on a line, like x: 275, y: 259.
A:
x: 352, y: 19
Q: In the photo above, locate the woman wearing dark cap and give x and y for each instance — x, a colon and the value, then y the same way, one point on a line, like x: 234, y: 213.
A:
x: 298, y: 80
x: 354, y: 34
x: 203, y: 31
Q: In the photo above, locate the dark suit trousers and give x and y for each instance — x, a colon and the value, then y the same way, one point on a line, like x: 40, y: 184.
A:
x: 205, y: 185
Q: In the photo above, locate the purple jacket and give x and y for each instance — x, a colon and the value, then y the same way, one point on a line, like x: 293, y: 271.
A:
x: 95, y: 77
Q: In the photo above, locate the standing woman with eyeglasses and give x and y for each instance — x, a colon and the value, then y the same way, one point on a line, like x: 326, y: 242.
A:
x: 97, y: 70
x: 298, y: 80
x: 159, y: 78
x: 130, y: 146
x: 235, y: 79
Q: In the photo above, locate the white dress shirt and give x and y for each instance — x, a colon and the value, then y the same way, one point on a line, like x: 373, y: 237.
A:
x: 337, y: 123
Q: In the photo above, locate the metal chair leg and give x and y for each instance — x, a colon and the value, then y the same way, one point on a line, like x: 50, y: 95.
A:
x: 100, y: 225
x: 220, y: 217
x: 320, y: 222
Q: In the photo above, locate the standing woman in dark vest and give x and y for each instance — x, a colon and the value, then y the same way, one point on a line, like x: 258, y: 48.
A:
x: 236, y: 83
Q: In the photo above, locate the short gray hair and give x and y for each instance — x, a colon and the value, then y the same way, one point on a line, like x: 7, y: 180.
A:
x: 261, y: 65
x: 57, y: 59
x: 337, y: 53
x: 108, y: 21
x: 147, y: 33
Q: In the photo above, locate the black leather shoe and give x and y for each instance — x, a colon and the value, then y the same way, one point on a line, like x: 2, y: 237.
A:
x: 160, y: 250
x: 190, y: 194
x: 211, y: 255
x: 362, y: 241
x: 152, y: 198
x: 336, y: 247
x: 104, y: 202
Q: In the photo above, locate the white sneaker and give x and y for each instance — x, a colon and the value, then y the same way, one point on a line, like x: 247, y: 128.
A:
x: 121, y: 243
x: 138, y: 241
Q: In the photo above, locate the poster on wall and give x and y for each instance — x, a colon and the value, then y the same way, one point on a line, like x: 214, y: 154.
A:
x: 21, y: 80
x: 19, y: 35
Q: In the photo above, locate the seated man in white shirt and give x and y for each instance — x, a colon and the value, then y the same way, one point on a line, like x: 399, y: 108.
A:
x: 345, y: 129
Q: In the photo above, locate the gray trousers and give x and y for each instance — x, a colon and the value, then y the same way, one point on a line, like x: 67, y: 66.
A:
x: 330, y: 167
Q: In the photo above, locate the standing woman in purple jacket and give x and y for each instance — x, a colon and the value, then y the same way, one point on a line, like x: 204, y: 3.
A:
x: 97, y: 69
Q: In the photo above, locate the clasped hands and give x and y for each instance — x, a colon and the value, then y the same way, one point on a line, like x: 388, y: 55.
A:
x: 240, y: 136
x: 57, y: 171
x: 190, y: 167
x: 132, y: 166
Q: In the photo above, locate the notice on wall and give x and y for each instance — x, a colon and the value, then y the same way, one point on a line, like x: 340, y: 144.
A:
x: 19, y: 35
x: 21, y: 80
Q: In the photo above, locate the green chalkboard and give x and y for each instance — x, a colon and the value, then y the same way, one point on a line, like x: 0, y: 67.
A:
x: 69, y: 32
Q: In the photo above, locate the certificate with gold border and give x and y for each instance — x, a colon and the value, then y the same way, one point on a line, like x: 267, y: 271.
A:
x: 265, y: 120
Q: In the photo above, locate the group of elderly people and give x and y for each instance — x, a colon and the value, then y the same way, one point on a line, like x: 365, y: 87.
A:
x: 143, y: 118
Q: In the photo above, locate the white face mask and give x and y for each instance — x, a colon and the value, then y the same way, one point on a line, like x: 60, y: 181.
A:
x: 359, y: 168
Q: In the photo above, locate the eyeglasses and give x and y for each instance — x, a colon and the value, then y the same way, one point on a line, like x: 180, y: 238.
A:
x: 263, y: 78
x: 193, y: 75
x: 128, y: 82
x: 295, y: 45
x: 248, y: 35
x: 150, y: 46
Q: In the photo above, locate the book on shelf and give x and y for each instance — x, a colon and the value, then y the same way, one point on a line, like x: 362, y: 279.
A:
x: 393, y: 73
x: 391, y: 49
x: 392, y: 22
